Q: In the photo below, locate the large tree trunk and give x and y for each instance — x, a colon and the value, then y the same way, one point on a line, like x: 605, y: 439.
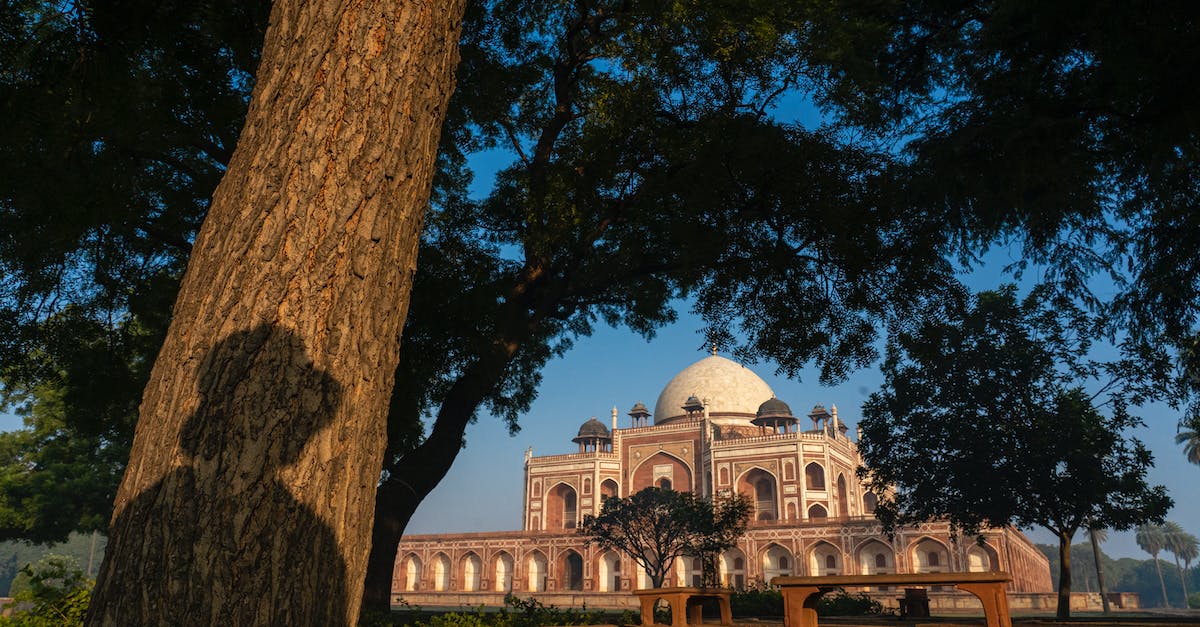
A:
x: 1064, y: 575
x: 249, y: 494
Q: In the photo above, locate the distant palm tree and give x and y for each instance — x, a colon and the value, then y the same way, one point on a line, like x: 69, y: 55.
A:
x: 1180, y: 543
x: 1097, y: 536
x: 1152, y: 540
x: 1189, y: 552
x: 1189, y: 437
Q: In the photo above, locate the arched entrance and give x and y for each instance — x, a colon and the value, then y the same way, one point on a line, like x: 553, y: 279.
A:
x: 503, y: 568
x: 875, y: 558
x: 824, y: 559
x: 760, y: 486
x: 535, y: 569
x: 982, y: 559
x: 572, y: 571
x: 561, y: 507
x: 929, y: 556
x: 776, y: 562
x: 471, y: 573
x: 733, y: 569
x: 609, y: 569
x: 411, y: 571
x: 441, y: 572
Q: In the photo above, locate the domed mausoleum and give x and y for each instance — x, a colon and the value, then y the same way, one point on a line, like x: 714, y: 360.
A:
x: 716, y: 428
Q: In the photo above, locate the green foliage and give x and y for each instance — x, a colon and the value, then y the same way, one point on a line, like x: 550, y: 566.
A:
x: 1189, y: 437
x: 522, y: 613
x: 50, y: 592
x: 656, y: 526
x: 767, y: 601
x: 843, y: 603
x: 1123, y: 575
x: 15, y: 555
x: 981, y: 420
x: 760, y: 600
x: 983, y: 397
x: 129, y: 112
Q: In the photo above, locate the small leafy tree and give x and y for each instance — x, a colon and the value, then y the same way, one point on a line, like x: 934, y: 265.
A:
x: 656, y: 526
x: 981, y: 420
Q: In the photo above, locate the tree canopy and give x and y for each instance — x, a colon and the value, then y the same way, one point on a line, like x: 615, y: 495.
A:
x: 656, y: 526
x: 983, y: 420
x: 649, y: 163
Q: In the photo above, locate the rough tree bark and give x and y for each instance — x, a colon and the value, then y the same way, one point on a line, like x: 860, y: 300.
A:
x: 249, y: 494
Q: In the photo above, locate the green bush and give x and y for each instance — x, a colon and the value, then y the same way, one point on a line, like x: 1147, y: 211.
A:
x: 845, y: 604
x: 515, y: 613
x: 52, y: 592
x: 1194, y: 600
x: 768, y: 601
x: 757, y: 601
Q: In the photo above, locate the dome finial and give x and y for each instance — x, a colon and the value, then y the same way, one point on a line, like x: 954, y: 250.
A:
x: 714, y: 349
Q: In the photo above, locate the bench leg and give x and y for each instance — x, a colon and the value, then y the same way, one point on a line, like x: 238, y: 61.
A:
x: 679, y: 610
x: 648, y: 610
x: 800, y: 606
x: 994, y: 600
x: 726, y: 612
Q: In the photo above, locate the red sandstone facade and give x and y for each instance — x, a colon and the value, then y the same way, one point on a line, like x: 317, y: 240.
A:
x: 811, y: 515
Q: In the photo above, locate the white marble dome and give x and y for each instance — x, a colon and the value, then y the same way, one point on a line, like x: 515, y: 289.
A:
x: 729, y: 388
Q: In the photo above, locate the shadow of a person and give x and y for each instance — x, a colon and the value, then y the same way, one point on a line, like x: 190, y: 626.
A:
x: 220, y: 540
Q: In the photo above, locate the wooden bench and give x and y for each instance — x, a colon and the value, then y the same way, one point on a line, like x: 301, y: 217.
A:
x: 685, y: 604
x: 800, y: 594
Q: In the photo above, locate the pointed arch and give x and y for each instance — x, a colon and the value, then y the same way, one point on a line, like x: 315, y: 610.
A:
x: 536, y: 571
x: 776, y: 561
x: 441, y: 572
x: 762, y: 488
x: 843, y: 500
x: 817, y: 511
x: 733, y: 569
x: 562, y: 506
x: 470, y: 572
x: 502, y: 572
x: 875, y: 558
x: 609, y: 489
x: 869, y: 502
x: 608, y: 569
x: 928, y: 555
x: 570, y: 565
x: 660, y: 465
x: 410, y: 573
x: 982, y: 558
x: 814, y: 476
x: 824, y: 559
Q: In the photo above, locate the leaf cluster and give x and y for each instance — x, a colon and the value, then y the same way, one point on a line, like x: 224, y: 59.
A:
x: 656, y: 526
x: 983, y: 419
